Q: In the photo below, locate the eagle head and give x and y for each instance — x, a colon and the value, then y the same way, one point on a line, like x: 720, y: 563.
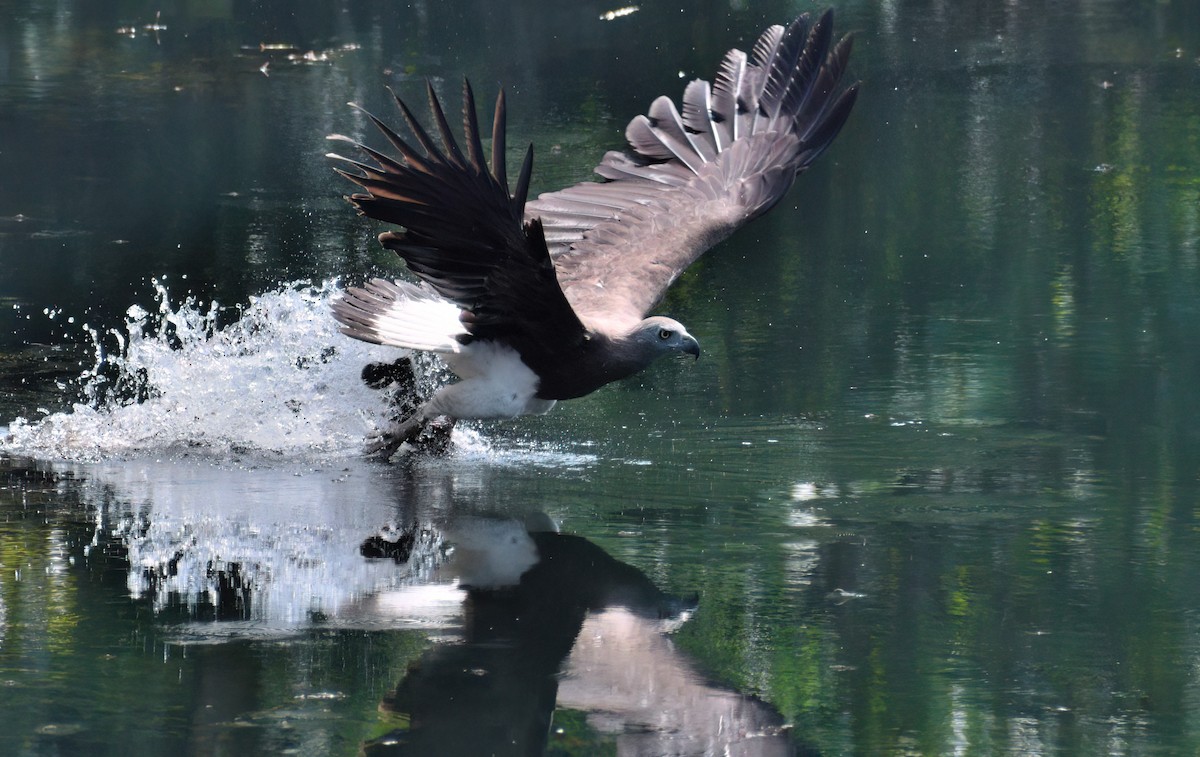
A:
x: 660, y: 335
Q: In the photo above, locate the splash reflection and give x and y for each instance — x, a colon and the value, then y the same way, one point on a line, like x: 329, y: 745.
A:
x: 508, y: 636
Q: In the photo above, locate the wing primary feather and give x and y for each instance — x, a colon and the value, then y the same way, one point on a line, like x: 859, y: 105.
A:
x: 761, y: 55
x: 823, y: 134
x: 782, y: 66
x: 698, y: 119
x: 471, y: 130
x: 383, y: 160
x: 725, y: 95
x: 839, y: 59
x: 668, y: 126
x: 810, y: 67
x: 645, y: 141
x: 830, y: 75
x: 449, y: 143
x: 521, y: 194
x: 431, y: 149
x: 366, y: 169
x: 499, y: 172
x: 368, y: 178
x: 414, y: 158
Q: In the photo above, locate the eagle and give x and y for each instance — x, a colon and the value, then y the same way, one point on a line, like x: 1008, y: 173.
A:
x: 529, y: 302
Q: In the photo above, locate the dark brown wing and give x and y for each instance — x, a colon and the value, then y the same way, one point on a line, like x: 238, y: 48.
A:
x: 694, y: 177
x: 464, y: 233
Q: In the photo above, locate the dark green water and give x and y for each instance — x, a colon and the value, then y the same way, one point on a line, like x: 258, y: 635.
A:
x: 933, y: 489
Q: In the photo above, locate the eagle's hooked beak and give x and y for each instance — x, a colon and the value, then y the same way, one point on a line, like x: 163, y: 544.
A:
x: 690, y: 346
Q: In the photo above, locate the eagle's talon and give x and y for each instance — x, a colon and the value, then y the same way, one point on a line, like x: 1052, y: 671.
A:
x: 430, y: 436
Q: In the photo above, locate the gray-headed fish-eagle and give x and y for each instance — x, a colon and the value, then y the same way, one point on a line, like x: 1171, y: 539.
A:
x: 533, y: 301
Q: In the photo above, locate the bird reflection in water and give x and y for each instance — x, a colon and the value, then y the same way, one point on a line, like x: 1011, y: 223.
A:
x: 552, y: 620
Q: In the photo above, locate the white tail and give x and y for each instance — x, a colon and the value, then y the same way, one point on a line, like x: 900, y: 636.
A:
x: 399, y: 314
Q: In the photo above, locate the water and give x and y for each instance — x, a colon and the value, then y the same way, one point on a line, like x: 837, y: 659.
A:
x: 931, y: 490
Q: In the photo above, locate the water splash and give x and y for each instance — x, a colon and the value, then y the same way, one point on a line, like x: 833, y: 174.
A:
x: 277, y: 380
x: 271, y: 378
x: 471, y: 446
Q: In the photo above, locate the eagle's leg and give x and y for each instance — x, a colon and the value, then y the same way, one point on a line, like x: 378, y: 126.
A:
x: 423, y: 433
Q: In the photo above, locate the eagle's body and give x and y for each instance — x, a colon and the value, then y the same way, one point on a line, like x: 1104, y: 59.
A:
x: 533, y: 302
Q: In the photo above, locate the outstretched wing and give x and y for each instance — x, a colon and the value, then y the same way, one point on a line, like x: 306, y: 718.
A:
x: 694, y: 177
x: 464, y: 233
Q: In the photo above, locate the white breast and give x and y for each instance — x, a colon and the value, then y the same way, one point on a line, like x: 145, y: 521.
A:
x: 495, y: 384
